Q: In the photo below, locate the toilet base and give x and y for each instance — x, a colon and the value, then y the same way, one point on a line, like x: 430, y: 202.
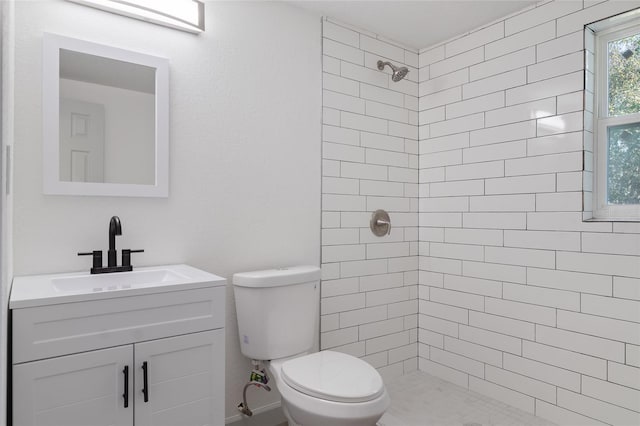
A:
x: 313, y: 419
x: 290, y: 421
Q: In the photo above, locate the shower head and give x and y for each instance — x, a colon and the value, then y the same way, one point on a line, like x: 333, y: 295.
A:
x: 398, y: 72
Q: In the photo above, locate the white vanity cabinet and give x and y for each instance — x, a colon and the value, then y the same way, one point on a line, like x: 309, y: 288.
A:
x: 126, y: 358
x: 183, y: 380
x: 182, y: 386
x: 73, y: 390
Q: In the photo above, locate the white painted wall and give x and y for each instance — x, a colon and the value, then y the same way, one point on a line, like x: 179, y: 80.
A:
x: 244, y: 151
x: 129, y: 129
x: 370, y: 145
x: 519, y: 298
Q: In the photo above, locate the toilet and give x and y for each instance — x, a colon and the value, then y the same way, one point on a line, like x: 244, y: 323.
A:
x: 277, y: 312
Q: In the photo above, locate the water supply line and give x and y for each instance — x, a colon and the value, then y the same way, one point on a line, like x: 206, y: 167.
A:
x: 257, y: 378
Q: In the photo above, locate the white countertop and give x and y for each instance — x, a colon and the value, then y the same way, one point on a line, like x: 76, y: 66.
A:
x: 52, y: 289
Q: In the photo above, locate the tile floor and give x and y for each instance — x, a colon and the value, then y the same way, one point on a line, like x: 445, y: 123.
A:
x: 419, y: 399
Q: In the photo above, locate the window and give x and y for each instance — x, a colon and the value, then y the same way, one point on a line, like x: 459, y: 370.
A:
x: 617, y: 126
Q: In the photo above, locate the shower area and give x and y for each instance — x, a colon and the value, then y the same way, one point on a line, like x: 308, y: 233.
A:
x: 369, y: 304
x: 489, y: 300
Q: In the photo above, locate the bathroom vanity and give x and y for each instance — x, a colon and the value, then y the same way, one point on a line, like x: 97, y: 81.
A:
x: 133, y: 348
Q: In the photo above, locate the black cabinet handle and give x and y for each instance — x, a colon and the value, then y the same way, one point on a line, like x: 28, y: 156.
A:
x: 125, y: 395
x: 145, y: 384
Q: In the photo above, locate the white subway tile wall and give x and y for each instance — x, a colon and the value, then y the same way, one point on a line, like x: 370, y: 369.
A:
x: 490, y: 278
x: 369, y: 293
x: 520, y: 299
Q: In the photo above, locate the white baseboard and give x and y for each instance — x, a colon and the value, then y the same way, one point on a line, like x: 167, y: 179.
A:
x: 268, y: 415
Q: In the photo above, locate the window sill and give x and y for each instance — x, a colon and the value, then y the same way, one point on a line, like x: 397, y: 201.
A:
x: 613, y: 219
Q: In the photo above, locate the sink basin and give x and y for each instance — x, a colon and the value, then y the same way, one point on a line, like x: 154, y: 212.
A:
x: 51, y: 289
x: 116, y: 281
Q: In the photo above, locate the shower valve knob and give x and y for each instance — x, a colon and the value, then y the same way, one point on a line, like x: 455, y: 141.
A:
x: 380, y: 223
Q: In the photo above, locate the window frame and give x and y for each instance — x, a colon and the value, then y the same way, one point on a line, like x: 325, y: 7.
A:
x: 601, y: 208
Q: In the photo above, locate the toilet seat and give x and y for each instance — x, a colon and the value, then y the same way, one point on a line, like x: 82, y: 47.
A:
x: 333, y: 376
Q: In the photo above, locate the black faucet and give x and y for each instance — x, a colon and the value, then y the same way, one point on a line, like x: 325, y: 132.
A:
x: 115, y: 228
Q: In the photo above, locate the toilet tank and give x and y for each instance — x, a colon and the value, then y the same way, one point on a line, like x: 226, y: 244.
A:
x: 277, y: 311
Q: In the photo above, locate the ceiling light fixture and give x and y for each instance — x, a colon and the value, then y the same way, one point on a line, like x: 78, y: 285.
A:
x: 185, y: 15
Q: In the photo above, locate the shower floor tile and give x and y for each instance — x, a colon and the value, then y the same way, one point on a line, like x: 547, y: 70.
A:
x: 419, y: 399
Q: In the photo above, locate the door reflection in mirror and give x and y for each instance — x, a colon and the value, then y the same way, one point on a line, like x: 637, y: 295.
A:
x: 107, y: 120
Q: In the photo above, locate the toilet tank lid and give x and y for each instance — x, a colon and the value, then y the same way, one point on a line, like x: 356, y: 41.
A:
x: 277, y: 277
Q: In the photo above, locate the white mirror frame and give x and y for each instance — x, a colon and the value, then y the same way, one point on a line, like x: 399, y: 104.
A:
x: 52, y: 184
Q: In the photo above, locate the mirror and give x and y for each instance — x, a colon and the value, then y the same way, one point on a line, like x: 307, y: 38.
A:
x: 105, y: 120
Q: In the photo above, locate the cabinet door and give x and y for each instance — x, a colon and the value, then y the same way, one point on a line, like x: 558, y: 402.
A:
x: 85, y: 389
x: 185, y: 380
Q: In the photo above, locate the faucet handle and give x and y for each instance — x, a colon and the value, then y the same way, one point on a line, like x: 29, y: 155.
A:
x: 97, y: 257
x: 126, y: 256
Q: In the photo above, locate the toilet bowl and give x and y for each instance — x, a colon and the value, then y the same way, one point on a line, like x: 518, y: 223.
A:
x: 329, y: 389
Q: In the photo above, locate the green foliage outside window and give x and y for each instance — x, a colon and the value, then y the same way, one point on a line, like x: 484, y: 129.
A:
x: 623, y: 159
x: 623, y: 164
